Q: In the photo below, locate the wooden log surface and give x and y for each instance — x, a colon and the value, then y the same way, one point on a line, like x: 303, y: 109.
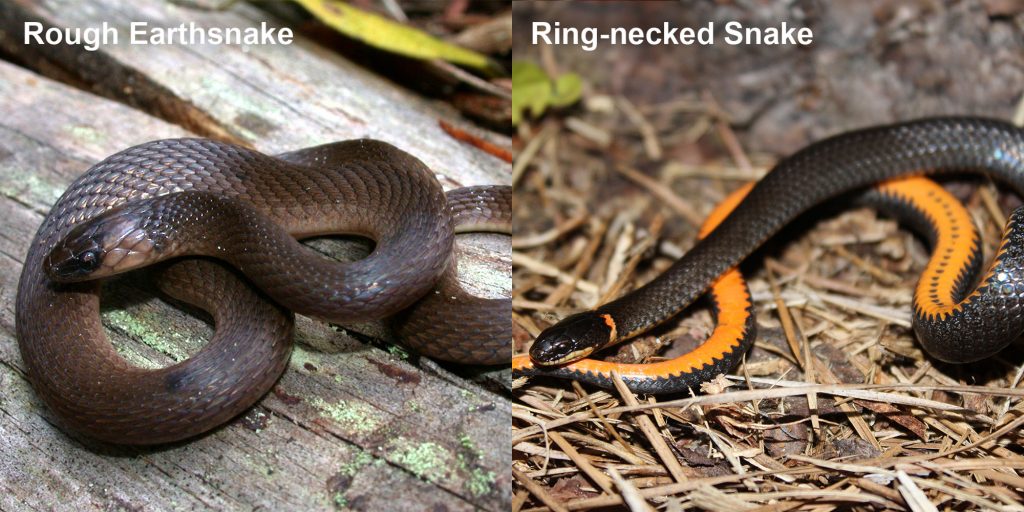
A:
x: 350, y: 424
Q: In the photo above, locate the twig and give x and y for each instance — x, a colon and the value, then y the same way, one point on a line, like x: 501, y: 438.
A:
x: 651, y: 432
x: 664, y: 194
x: 647, y: 131
x: 525, y: 157
x: 477, y: 142
x: 582, y: 462
x: 630, y: 494
x: 549, y: 270
x: 538, y: 491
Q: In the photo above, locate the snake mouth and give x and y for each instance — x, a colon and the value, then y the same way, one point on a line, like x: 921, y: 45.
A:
x: 575, y: 355
x: 77, y: 256
x: 575, y: 337
x: 108, y: 244
x: 63, y: 264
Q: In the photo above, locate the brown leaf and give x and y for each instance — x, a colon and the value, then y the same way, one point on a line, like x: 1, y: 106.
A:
x: 898, y: 416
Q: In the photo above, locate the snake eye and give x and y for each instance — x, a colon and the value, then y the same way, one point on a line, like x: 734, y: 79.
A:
x: 64, y: 265
x: 89, y: 260
x: 575, y: 337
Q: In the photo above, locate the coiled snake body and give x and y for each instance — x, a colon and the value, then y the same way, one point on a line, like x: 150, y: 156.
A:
x: 953, y: 322
x: 179, y: 197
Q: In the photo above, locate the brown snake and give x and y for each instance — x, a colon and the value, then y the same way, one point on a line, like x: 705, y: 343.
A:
x: 178, y: 197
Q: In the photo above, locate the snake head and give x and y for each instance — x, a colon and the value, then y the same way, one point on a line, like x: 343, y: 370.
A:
x: 113, y: 242
x: 574, y: 338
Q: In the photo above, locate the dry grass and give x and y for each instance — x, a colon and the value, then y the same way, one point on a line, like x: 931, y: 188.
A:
x: 835, y: 407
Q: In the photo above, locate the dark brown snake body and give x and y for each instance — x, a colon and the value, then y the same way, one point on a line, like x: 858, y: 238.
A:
x: 201, y: 197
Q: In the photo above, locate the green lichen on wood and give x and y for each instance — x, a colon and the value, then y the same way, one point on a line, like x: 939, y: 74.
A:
x: 340, y: 501
x: 169, y: 343
x: 355, y: 417
x: 478, y: 481
x: 399, y: 352
x: 361, y: 460
x: 86, y: 134
x: 467, y: 442
x: 429, y: 461
x: 28, y: 187
x: 301, y: 356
